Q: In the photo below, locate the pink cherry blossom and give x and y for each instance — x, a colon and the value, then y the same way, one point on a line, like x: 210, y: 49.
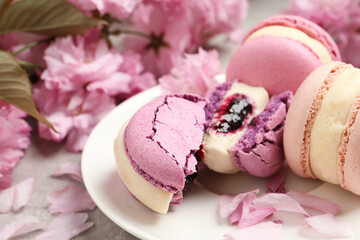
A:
x: 81, y: 84
x: 213, y: 17
x: 73, y: 114
x: 169, y: 31
x: 73, y: 62
x: 329, y: 14
x: 14, y: 41
x: 14, y: 139
x: 119, y: 9
x: 174, y: 27
x: 340, y: 18
x: 194, y: 73
x: 87, y: 62
x: 348, y: 38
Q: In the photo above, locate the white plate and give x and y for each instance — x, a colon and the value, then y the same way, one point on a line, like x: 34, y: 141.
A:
x: 197, y: 217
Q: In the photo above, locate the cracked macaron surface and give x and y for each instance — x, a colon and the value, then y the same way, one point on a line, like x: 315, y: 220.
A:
x: 254, y: 143
x: 162, y: 138
x: 259, y: 152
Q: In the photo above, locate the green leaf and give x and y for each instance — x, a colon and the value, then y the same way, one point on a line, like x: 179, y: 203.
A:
x: 46, y: 17
x: 4, y: 4
x: 15, y: 87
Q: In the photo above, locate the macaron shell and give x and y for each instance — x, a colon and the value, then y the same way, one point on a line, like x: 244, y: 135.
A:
x: 349, y: 166
x: 153, y: 197
x: 277, y: 64
x: 308, y: 27
x: 161, y: 138
x: 144, y: 150
x: 298, y: 124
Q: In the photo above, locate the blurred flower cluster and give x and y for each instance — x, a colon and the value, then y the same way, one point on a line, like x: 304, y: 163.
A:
x: 341, y: 18
x: 14, y: 138
x: 77, y: 79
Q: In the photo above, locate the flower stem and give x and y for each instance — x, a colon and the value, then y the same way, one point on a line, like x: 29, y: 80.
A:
x: 126, y: 31
x: 29, y: 64
x: 31, y: 45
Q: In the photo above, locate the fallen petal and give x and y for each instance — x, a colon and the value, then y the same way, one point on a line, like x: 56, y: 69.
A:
x: 236, y: 215
x: 320, y: 204
x: 228, y: 203
x: 261, y: 231
x: 243, y: 209
x: 17, y: 196
x: 275, y: 183
x: 22, y: 225
x: 329, y: 227
x: 71, y: 169
x: 66, y: 226
x: 281, y: 202
x: 70, y: 199
x: 255, y: 216
x: 225, y: 201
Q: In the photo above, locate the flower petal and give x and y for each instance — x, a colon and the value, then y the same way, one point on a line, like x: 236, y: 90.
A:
x: 320, y: 204
x: 17, y: 196
x: 71, y: 169
x: 69, y: 200
x: 265, y: 230
x: 255, y: 216
x: 66, y: 226
x: 229, y: 203
x: 281, y: 202
x: 22, y: 225
x: 329, y: 227
x: 275, y: 183
x: 243, y: 209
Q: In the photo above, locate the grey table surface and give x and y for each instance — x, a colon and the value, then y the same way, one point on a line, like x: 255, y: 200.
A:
x: 42, y: 157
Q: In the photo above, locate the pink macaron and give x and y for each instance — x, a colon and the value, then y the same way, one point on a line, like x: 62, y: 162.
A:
x: 280, y: 52
x: 245, y: 130
x: 155, y: 150
x: 322, y: 127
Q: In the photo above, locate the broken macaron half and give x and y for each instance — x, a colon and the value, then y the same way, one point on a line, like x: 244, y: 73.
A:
x: 244, y: 131
x: 155, y: 150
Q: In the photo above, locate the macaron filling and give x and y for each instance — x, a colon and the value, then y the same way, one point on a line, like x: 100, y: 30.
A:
x: 315, y: 107
x: 289, y: 32
x: 330, y: 124
x: 221, y: 135
x: 349, y: 151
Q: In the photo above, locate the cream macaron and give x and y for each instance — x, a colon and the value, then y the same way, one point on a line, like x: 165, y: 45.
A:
x: 322, y: 127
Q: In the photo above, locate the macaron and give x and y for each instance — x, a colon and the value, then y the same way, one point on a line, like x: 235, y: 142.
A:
x: 280, y: 52
x: 244, y: 130
x: 321, y: 135
x: 155, y: 150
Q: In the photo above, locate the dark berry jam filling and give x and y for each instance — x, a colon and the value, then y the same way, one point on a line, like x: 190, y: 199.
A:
x: 232, y: 114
